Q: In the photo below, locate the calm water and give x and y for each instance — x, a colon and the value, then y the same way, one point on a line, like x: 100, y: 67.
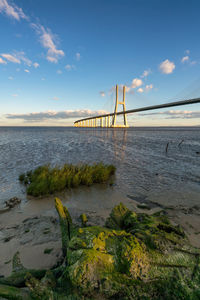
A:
x: 144, y: 170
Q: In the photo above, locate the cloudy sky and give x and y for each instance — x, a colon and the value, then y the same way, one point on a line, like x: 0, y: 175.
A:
x: 60, y: 60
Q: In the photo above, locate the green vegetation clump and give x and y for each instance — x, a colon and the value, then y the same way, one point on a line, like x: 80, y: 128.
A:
x: 135, y: 256
x: 48, y: 250
x: 45, y: 180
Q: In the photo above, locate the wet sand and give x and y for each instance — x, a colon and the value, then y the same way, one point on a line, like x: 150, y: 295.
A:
x: 33, y: 227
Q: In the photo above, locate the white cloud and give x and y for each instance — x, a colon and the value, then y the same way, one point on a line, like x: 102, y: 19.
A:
x: 27, y: 71
x: 11, y: 58
x: 140, y: 90
x: 167, y: 67
x: 12, y: 11
x: 17, y: 58
x: 2, y: 61
x: 69, y: 67
x: 149, y: 87
x: 42, y: 78
x: 47, y: 40
x: 36, y: 65
x: 53, y: 115
x: 184, y: 59
x: 102, y: 94
x: 128, y: 88
x: 78, y: 56
x: 136, y: 83
x: 21, y: 56
x: 10, y: 78
x: 194, y: 62
x: 59, y: 72
x: 145, y: 73
x: 187, y: 51
x: 52, y: 59
x: 175, y: 114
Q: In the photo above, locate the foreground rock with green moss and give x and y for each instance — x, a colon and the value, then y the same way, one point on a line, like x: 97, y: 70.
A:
x: 135, y: 256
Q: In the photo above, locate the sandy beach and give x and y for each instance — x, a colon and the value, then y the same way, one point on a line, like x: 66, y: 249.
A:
x: 32, y: 227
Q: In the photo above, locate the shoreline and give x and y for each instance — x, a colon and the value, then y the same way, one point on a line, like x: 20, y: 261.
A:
x: 32, y: 228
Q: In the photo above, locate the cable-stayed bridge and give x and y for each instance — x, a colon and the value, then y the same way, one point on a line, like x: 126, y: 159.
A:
x: 109, y: 120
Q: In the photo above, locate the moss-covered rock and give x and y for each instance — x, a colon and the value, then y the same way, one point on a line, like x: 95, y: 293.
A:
x: 100, y: 258
x: 135, y: 256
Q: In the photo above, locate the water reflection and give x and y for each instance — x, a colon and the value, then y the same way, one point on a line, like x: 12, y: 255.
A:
x: 143, y: 168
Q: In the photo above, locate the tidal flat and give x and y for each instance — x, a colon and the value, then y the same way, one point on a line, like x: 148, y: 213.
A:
x: 147, y: 181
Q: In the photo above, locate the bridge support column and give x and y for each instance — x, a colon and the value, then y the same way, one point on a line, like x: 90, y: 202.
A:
x: 116, y: 106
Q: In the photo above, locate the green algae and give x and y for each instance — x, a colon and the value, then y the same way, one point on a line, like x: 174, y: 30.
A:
x: 84, y: 219
x: 135, y: 256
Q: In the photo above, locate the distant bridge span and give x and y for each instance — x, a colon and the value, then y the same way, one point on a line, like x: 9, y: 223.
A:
x: 93, y: 121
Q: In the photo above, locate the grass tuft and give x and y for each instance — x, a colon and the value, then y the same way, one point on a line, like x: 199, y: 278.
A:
x: 45, y: 180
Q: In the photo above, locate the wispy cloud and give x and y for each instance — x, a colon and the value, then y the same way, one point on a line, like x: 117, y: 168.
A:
x: 17, y: 57
x: 21, y: 56
x: 36, y: 65
x: 10, y: 78
x: 12, y: 11
x: 78, y: 56
x: 149, y: 87
x: 102, y: 94
x: 11, y: 58
x: 14, y: 95
x: 2, y: 61
x: 59, y: 72
x: 167, y: 67
x: 48, y: 41
x: 70, y: 67
x: 175, y: 114
x: 55, y: 98
x: 145, y: 73
x: 53, y: 115
x: 185, y: 58
x: 27, y: 71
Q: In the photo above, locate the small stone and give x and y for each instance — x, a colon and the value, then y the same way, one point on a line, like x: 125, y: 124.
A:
x: 143, y: 206
x: 12, y: 202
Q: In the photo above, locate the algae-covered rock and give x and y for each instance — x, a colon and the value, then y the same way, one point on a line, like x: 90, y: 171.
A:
x: 135, y: 251
x: 84, y: 220
x: 103, y: 259
x: 135, y: 256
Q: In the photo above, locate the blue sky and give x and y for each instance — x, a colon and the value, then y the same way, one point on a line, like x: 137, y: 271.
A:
x: 60, y: 60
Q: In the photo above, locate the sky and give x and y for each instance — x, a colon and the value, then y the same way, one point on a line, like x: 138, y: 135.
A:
x: 60, y: 60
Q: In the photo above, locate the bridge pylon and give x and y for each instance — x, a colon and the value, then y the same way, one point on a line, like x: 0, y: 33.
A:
x: 117, y: 102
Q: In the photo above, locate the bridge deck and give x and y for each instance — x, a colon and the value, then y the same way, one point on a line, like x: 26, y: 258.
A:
x: 171, y: 104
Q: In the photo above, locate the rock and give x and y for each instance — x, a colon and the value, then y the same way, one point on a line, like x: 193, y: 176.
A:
x: 138, y: 257
x: 143, y: 206
x: 12, y: 202
x: 84, y: 220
